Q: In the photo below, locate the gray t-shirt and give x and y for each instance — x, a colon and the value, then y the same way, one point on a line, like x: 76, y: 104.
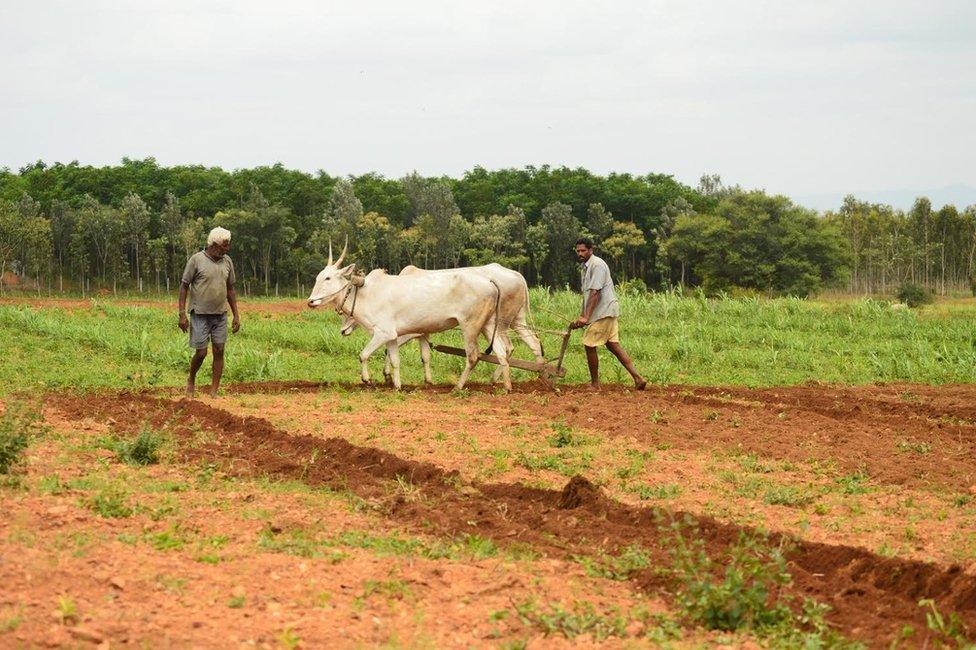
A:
x: 596, y: 275
x: 208, y: 280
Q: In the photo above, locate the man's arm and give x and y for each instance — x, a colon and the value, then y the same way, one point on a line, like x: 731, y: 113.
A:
x: 184, y: 323
x: 591, y: 304
x: 232, y: 301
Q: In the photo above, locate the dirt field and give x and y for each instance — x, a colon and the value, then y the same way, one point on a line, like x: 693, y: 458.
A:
x: 301, y: 514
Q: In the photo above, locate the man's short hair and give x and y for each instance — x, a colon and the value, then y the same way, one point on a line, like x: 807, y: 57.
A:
x: 218, y: 236
x: 586, y: 241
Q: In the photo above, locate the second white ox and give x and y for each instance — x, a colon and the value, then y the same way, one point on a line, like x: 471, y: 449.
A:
x: 392, y: 306
x: 513, y: 307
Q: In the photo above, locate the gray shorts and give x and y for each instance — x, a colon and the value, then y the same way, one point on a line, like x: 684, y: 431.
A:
x: 205, y: 328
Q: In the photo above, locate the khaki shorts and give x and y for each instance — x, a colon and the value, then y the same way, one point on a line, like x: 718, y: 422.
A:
x: 602, y: 331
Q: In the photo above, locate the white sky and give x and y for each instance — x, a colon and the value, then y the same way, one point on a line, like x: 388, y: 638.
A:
x: 795, y: 97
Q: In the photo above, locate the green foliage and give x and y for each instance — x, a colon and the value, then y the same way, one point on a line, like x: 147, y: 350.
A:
x: 757, y: 241
x: 67, y: 610
x: 582, y: 618
x: 616, y: 567
x: 913, y: 295
x: 119, y: 225
x: 745, y: 591
x: 672, y: 339
x: 662, y: 491
x: 788, y: 495
x: 746, y: 595
x: 18, y: 424
x: 855, y: 483
x: 309, y: 543
x: 111, y: 502
x: 950, y: 627
x: 143, y: 449
x: 564, y: 436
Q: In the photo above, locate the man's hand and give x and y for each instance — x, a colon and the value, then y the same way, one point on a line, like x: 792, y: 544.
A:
x: 235, y: 324
x: 582, y: 321
x: 184, y: 322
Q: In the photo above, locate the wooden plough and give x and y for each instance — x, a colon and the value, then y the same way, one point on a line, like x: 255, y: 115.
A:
x: 546, y: 369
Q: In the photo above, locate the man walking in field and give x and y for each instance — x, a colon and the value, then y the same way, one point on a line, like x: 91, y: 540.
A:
x: 209, y: 278
x: 599, y: 314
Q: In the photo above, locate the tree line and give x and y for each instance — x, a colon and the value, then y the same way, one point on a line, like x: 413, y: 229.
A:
x: 131, y: 226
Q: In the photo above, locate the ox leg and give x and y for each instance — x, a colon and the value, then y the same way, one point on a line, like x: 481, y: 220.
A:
x: 471, y: 360
x: 379, y: 338
x: 507, y: 349
x: 393, y: 356
x: 503, y: 343
x: 387, y: 366
x: 528, y: 336
x: 425, y: 357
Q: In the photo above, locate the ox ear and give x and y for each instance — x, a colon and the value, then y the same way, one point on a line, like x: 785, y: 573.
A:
x: 347, y: 271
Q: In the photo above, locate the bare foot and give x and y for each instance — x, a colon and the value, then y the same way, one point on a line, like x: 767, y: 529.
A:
x: 213, y: 392
x: 190, y: 391
x: 640, y: 384
x: 595, y: 388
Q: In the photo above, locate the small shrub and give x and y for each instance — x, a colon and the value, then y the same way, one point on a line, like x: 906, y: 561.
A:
x: 787, y: 495
x: 17, y: 425
x: 913, y: 295
x: 563, y: 436
x: 144, y: 449
x: 854, y: 483
x: 67, y: 611
x: 110, y: 502
x: 632, y: 287
x: 748, y: 593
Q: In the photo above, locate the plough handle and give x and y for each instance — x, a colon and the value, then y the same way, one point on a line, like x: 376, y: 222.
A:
x: 562, y: 349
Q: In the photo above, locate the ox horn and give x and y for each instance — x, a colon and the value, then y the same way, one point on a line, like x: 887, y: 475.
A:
x: 343, y: 254
x: 330, y: 252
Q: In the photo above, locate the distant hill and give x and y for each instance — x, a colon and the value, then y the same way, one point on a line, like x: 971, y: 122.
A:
x: 959, y: 195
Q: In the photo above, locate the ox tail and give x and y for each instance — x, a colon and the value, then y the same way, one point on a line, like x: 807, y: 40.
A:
x: 498, y: 302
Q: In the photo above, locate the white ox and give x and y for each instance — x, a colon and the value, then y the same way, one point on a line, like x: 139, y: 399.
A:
x: 394, y: 306
x: 513, y: 307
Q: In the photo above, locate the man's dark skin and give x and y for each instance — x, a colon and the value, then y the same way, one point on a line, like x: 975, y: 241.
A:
x: 215, y: 252
x: 592, y: 358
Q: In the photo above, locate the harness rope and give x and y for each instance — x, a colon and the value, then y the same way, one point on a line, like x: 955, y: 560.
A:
x: 354, y: 290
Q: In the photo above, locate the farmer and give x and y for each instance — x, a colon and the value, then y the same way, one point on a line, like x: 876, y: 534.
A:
x: 599, y: 314
x: 209, y: 277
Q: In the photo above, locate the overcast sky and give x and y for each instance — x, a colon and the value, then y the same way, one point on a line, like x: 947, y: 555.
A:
x: 795, y: 97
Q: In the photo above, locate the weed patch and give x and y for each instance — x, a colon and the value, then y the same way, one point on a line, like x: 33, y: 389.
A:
x: 616, y: 567
x: 18, y: 424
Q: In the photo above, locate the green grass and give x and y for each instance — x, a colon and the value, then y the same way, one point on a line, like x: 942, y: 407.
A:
x: 673, y: 339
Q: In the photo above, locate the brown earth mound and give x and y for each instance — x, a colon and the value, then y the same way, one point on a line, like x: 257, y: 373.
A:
x: 872, y: 597
x: 899, y: 434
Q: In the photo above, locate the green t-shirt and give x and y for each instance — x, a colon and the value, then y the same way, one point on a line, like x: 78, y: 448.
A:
x: 208, y: 280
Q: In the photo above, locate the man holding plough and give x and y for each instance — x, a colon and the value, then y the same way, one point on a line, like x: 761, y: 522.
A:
x: 599, y: 315
x: 209, y: 278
